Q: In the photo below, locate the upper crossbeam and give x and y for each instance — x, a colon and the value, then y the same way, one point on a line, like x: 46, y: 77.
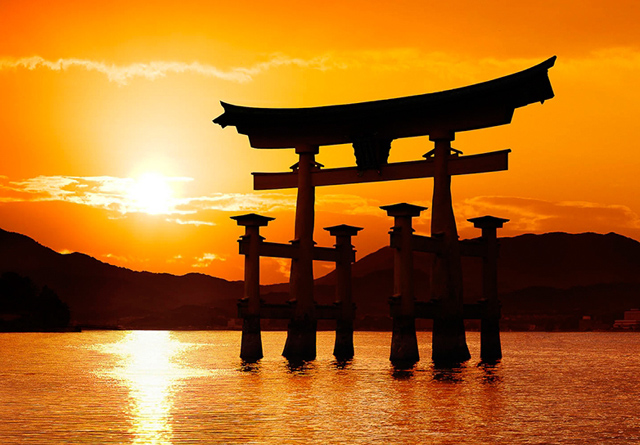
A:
x: 458, y: 165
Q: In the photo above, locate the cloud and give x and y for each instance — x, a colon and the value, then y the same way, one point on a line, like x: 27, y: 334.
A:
x: 388, y: 60
x: 121, y: 196
x: 540, y: 216
x: 190, y: 222
x: 206, y: 259
x: 354, y: 204
x: 276, y: 266
x: 525, y: 214
x: 619, y: 58
x: 270, y: 203
x: 117, y: 195
x: 322, y: 63
x: 240, y: 202
x: 175, y: 259
x: 122, y: 74
x: 441, y: 68
x: 119, y: 258
x: 106, y: 192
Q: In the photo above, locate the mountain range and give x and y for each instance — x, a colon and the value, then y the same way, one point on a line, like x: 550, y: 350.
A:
x: 548, y: 281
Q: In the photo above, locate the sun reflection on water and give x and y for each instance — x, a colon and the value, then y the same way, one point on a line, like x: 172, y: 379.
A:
x: 150, y: 367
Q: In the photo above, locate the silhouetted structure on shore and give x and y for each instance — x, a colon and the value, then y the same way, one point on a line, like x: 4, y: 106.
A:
x: 371, y: 127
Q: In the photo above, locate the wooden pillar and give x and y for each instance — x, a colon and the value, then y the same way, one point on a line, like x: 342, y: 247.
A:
x: 343, y: 347
x: 449, y: 341
x: 251, y: 346
x: 301, y: 335
x: 490, y: 347
x: 404, y: 344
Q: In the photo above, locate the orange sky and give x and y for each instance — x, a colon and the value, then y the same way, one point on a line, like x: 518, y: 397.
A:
x: 108, y: 146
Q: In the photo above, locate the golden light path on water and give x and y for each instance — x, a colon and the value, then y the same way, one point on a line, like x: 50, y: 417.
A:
x: 150, y: 367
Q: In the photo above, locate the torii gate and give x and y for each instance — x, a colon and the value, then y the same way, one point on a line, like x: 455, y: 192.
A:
x: 371, y: 127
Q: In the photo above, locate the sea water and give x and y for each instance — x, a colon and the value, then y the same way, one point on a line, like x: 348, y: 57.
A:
x: 162, y: 387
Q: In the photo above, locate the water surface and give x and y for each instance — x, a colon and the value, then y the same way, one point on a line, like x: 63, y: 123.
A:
x: 160, y: 387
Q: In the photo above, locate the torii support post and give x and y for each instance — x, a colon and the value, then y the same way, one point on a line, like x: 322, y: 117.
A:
x: 301, y: 335
x: 251, y: 346
x: 449, y: 341
x: 490, y: 347
x: 343, y: 348
x: 404, y: 344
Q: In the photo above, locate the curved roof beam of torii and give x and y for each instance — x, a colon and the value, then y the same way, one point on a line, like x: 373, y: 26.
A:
x: 482, y: 105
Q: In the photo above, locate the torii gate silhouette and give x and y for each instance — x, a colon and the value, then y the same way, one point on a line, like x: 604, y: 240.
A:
x: 371, y: 127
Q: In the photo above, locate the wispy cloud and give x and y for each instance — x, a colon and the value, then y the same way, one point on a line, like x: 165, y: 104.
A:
x: 122, y: 196
x: 119, y: 195
x: 276, y: 266
x: 118, y: 258
x: 239, y: 202
x: 449, y: 67
x: 175, y: 259
x: 122, y: 74
x: 270, y: 202
x: 387, y: 60
x: 536, y: 215
x: 115, y: 195
x: 206, y: 259
x: 192, y: 222
x: 354, y: 204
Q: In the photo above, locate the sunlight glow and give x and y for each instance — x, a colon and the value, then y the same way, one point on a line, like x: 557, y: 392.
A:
x: 149, y: 372
x: 151, y: 193
x: 150, y: 367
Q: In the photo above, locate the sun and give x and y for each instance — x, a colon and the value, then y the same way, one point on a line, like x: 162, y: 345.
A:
x: 151, y: 193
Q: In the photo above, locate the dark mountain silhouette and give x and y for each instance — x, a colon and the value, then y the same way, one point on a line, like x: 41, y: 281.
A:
x: 105, y: 295
x: 549, y: 281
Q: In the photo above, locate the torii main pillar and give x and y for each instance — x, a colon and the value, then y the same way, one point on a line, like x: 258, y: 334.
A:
x: 449, y: 341
x: 301, y: 335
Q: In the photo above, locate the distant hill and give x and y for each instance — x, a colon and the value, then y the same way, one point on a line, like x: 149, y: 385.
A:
x: 102, y: 294
x: 555, y: 275
x: 548, y: 280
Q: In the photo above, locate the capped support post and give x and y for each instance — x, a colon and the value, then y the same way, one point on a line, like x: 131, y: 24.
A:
x: 301, y: 333
x: 490, y: 347
x: 343, y: 348
x: 251, y: 346
x: 449, y: 344
x: 404, y: 344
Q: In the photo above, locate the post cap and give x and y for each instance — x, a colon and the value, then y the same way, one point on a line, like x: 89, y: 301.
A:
x: 307, y: 148
x: 488, y: 222
x: 343, y: 230
x: 252, y: 219
x: 403, y: 209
